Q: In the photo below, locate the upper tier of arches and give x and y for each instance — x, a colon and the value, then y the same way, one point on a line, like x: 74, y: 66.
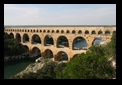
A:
x: 75, y: 30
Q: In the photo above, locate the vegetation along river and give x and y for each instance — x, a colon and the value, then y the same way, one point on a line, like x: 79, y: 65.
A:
x: 12, y: 68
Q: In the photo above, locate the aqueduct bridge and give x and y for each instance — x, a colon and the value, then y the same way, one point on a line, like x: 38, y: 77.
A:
x: 89, y: 33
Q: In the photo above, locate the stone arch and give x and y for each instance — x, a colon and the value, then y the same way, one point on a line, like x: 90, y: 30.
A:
x: 28, y: 30
x: 107, y: 32
x: 73, y: 32
x: 18, y: 37
x: 86, y: 32
x: 67, y: 31
x: 27, y: 48
x: 98, y: 41
x: 62, y: 31
x: 25, y: 38
x: 22, y: 30
x: 61, y: 56
x: 48, y: 53
x: 100, y: 32
x: 36, y: 30
x: 35, y: 39
x: 40, y: 30
x: 53, y: 31
x: 33, y: 30
x: 44, y: 31
x: 93, y: 32
x: 48, y: 31
x: 62, y: 41
x: 79, y: 43
x: 35, y: 52
x: 48, y: 40
x: 25, y: 30
x: 11, y: 35
x: 57, y: 31
x: 79, y: 32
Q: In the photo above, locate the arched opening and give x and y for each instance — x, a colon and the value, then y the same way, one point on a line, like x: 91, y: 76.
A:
x: 33, y: 30
x: 62, y: 31
x: 52, y: 31
x: 79, y: 43
x: 73, y: 32
x: 100, y: 32
x: 68, y: 31
x: 48, y: 53
x: 40, y: 30
x: 93, y: 32
x: 107, y: 32
x: 62, y: 41
x: 48, y: 31
x: 36, y: 39
x: 35, y: 52
x: 25, y: 38
x: 18, y: 37
x: 61, y: 56
x: 86, y: 32
x: 98, y: 41
x: 26, y: 47
x: 79, y: 32
x: 48, y: 40
x: 44, y: 31
x: 11, y: 35
x: 57, y: 31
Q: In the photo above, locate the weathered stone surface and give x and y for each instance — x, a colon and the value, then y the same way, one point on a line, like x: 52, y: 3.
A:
x: 90, y: 37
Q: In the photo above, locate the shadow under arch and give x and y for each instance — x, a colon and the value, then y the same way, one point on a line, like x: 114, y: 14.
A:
x: 18, y: 37
x: 61, y: 56
x: 25, y: 38
x: 48, y: 53
x: 11, y: 35
x: 35, y: 52
x: 26, y: 48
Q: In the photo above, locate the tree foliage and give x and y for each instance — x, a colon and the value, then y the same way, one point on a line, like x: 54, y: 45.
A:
x: 12, y: 46
x: 92, y: 65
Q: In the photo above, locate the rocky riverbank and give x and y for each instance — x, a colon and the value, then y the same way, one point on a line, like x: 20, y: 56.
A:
x: 41, y: 67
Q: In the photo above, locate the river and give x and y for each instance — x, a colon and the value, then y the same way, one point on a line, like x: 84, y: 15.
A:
x: 12, y: 68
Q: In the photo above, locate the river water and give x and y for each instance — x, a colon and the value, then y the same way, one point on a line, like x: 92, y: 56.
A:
x: 12, y: 68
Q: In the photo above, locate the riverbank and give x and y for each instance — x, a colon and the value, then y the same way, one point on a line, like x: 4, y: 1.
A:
x: 13, y: 67
x: 41, y: 69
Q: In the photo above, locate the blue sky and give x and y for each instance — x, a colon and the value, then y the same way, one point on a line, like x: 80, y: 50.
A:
x: 59, y: 14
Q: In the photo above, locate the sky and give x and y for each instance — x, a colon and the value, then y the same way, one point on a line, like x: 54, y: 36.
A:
x: 59, y: 14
